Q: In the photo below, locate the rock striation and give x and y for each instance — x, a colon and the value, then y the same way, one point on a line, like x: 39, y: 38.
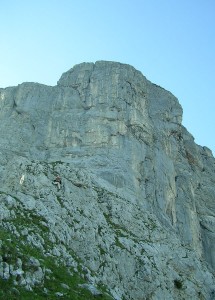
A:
x: 134, y: 217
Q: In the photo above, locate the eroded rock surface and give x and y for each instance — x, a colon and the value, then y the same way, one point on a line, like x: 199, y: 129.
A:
x: 135, y: 213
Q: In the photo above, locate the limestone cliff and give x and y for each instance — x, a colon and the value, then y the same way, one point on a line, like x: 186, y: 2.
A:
x: 134, y: 217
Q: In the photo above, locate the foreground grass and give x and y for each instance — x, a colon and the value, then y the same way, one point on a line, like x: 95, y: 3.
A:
x: 60, y: 282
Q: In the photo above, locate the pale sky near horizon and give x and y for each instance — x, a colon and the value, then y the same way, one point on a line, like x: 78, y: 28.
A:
x: 171, y: 42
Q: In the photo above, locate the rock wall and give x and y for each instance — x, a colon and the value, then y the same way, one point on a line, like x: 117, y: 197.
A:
x: 136, y: 210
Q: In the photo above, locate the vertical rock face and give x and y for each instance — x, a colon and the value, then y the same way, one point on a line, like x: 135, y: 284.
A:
x: 136, y: 205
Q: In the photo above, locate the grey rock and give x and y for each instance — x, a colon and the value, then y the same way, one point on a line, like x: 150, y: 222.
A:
x: 17, y: 272
x: 65, y: 286
x: 33, y: 262
x: 6, y: 271
x: 58, y: 294
x: 136, y: 208
x: 94, y: 291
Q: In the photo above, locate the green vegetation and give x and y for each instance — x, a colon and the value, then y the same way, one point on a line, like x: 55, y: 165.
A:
x: 178, y: 283
x: 59, y: 278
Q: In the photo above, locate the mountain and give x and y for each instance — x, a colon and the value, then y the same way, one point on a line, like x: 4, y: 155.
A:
x: 134, y: 214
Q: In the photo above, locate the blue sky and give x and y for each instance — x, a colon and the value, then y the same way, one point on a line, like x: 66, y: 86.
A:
x: 171, y: 42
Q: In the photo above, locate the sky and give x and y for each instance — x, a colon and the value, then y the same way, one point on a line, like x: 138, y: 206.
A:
x: 171, y: 42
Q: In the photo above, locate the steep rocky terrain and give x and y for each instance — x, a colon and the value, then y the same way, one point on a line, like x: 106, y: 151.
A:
x: 134, y: 217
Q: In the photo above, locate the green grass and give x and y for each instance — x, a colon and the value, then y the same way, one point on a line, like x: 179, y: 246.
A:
x: 13, y: 248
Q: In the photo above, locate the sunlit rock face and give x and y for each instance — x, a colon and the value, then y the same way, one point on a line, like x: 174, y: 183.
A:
x: 136, y: 207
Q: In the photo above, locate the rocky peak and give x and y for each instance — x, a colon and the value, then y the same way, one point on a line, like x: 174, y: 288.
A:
x: 135, y: 210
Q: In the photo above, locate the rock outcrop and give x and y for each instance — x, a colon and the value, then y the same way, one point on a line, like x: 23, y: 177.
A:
x: 134, y: 217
